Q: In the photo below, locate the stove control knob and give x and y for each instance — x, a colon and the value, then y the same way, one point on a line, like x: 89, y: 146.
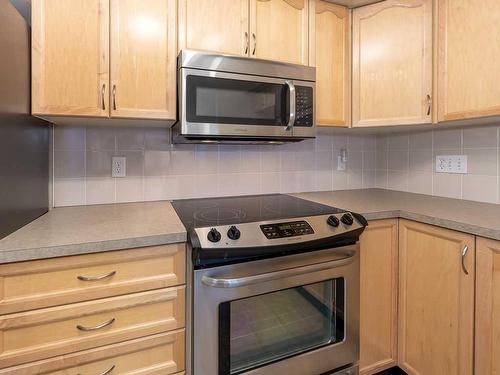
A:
x: 213, y: 235
x: 347, y: 219
x: 333, y: 221
x: 233, y: 233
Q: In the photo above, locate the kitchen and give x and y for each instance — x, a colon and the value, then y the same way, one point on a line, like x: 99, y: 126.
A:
x: 226, y: 187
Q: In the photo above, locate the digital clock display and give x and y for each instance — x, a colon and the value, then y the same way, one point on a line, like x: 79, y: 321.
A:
x: 290, y: 229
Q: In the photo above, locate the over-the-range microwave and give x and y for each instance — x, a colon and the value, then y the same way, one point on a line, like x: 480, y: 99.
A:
x: 231, y: 99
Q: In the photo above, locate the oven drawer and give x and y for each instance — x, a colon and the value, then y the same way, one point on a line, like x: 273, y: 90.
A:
x: 153, y: 355
x: 59, y: 281
x: 34, y: 335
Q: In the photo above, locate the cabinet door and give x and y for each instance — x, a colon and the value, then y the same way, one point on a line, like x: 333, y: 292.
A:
x: 436, y: 300
x: 219, y: 26
x: 469, y: 51
x: 143, y: 58
x: 70, y: 59
x: 280, y: 30
x: 392, y: 63
x: 379, y: 288
x: 487, y: 345
x: 331, y: 56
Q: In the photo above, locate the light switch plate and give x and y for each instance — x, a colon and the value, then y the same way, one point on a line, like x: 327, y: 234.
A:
x: 119, y: 166
x: 451, y: 164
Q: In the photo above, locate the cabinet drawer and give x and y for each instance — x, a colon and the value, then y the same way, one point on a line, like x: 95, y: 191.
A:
x: 59, y: 281
x: 34, y: 335
x: 159, y: 354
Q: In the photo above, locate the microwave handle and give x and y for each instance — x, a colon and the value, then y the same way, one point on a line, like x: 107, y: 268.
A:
x: 292, y: 114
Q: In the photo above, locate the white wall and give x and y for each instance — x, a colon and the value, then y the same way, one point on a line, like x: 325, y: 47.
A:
x: 406, y: 162
x: 158, y: 170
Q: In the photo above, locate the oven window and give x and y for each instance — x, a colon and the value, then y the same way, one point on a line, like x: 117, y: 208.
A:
x: 262, y: 329
x: 231, y: 101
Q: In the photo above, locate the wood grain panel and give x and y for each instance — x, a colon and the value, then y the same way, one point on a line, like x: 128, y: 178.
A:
x: 281, y: 30
x: 159, y: 354
x: 392, y: 63
x: 143, y: 59
x: 379, y: 296
x: 70, y: 57
x: 436, y: 300
x: 469, y: 50
x: 219, y: 26
x: 45, y: 333
x: 487, y: 344
x: 50, y: 282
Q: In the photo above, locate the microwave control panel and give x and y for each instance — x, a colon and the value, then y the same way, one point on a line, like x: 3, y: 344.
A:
x: 304, y: 106
x: 289, y: 229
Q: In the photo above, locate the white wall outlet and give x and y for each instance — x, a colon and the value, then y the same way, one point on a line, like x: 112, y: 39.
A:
x: 342, y: 160
x: 119, y: 166
x: 451, y: 164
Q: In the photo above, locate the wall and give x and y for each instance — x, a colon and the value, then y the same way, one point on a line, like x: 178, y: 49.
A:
x: 406, y: 162
x: 158, y: 170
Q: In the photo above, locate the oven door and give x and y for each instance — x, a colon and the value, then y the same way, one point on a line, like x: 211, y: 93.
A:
x: 291, y: 315
x: 217, y: 104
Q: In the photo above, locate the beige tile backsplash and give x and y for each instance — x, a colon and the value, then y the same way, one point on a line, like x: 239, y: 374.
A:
x: 158, y: 170
x: 406, y: 161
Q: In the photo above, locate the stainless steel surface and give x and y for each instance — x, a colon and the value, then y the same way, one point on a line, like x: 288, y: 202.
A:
x: 247, y: 42
x: 206, y: 301
x: 235, y: 282
x: 252, y: 235
x: 464, y: 254
x: 95, y: 328
x: 24, y: 140
x: 114, y: 97
x: 254, y: 44
x: 429, y: 104
x: 96, y: 278
x: 354, y: 370
x: 291, y: 89
x: 108, y: 371
x: 103, y: 91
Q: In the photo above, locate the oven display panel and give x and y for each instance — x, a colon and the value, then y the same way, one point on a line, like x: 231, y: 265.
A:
x: 290, y: 229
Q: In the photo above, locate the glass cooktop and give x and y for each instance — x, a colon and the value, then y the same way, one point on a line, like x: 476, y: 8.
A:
x: 205, y: 212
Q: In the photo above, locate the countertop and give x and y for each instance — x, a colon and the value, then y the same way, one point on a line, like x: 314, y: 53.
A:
x: 481, y: 219
x: 88, y: 229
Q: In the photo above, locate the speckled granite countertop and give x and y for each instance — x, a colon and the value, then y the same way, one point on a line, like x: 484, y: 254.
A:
x: 481, y: 219
x: 89, y: 229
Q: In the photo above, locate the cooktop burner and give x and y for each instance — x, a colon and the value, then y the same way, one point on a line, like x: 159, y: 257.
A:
x: 207, y: 212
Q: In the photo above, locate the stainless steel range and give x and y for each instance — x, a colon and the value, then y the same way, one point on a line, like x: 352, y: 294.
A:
x: 273, y: 286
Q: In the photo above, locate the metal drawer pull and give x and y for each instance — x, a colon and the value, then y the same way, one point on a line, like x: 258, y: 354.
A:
x: 464, y: 253
x: 247, y: 42
x: 114, y: 97
x: 254, y: 279
x: 108, y: 371
x: 103, y: 90
x: 429, y: 102
x: 94, y: 328
x: 254, y: 43
x: 96, y: 278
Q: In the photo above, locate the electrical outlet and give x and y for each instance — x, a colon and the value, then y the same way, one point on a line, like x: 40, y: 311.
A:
x: 342, y: 160
x: 119, y: 166
x: 451, y: 164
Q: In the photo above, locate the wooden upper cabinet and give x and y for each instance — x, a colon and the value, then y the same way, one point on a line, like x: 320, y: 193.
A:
x: 280, y: 30
x: 331, y: 56
x: 392, y: 63
x: 219, y: 26
x: 469, y: 51
x: 436, y: 300
x: 379, y: 296
x: 70, y: 59
x: 487, y: 360
x: 143, y: 59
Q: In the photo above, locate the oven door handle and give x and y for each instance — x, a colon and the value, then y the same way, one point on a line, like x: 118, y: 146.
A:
x: 217, y: 282
x: 293, y: 110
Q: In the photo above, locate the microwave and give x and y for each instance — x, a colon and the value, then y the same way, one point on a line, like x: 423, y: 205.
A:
x: 232, y: 99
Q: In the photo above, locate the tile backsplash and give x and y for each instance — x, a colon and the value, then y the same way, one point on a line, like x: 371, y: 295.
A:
x: 406, y: 162
x: 158, y: 170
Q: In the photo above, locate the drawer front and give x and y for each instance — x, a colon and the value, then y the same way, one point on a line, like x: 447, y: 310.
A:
x: 159, y: 354
x: 45, y: 333
x: 59, y: 281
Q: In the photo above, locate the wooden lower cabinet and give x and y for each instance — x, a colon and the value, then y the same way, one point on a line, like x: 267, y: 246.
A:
x: 152, y: 355
x: 487, y: 343
x: 436, y: 300
x: 378, y: 308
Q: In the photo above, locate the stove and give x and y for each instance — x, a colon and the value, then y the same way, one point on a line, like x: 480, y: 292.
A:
x: 273, y: 286
x: 238, y: 229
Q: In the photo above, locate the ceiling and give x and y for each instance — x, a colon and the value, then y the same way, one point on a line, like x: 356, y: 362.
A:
x: 354, y: 3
